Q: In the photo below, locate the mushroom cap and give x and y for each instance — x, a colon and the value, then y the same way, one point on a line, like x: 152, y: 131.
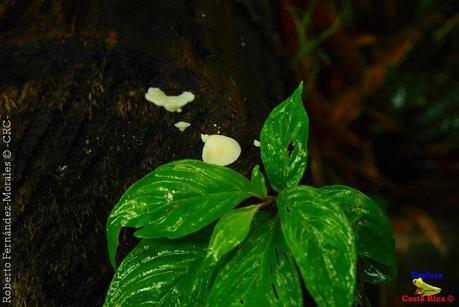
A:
x: 204, y: 137
x: 170, y: 103
x: 181, y: 125
x: 220, y: 150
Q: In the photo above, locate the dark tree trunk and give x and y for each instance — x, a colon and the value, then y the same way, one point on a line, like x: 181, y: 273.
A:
x: 73, y: 78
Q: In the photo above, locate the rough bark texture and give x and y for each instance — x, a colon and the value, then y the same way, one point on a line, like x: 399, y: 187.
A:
x: 73, y: 78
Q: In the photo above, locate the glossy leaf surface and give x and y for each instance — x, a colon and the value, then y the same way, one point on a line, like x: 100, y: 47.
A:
x: 259, y: 182
x: 261, y: 273
x: 232, y: 228
x: 321, y: 240
x: 160, y: 272
x: 176, y: 199
x: 284, y: 138
x: 374, y: 237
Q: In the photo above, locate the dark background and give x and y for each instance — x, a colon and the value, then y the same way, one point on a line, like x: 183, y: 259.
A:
x: 381, y: 92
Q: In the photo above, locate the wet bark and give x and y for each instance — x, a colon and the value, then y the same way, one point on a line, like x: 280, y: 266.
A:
x: 73, y: 78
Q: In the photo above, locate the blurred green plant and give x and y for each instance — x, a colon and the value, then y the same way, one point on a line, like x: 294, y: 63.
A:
x: 303, y: 25
x: 309, y: 51
x: 256, y: 255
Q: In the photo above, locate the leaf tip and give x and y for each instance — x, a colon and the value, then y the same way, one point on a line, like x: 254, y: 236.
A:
x: 298, y: 94
x: 112, y: 242
x: 301, y: 86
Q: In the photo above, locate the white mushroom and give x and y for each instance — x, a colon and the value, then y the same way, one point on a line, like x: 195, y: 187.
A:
x: 181, y: 125
x: 170, y: 103
x: 256, y: 143
x: 204, y: 137
x: 220, y: 150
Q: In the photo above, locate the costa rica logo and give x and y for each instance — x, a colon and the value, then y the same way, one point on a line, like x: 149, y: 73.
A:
x: 426, y: 292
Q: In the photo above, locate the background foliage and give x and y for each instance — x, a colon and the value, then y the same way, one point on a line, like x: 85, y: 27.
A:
x: 388, y: 93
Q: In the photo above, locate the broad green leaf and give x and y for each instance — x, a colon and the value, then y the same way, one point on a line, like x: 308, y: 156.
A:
x: 259, y: 182
x: 322, y: 241
x: 176, y: 199
x: 284, y: 139
x: 232, y: 228
x: 261, y: 273
x: 373, y: 234
x: 161, y: 272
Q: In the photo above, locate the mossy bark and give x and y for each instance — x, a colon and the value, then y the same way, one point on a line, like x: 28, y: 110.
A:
x: 73, y: 78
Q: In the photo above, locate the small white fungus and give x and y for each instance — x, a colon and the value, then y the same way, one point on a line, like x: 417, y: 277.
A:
x: 220, y: 150
x: 204, y: 137
x: 181, y: 125
x: 170, y: 103
x: 256, y: 143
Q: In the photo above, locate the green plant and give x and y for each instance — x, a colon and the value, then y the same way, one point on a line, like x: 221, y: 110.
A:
x: 257, y: 254
x: 306, y: 42
x: 310, y: 54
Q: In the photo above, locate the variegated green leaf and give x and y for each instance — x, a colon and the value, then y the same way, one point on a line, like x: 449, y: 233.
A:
x: 284, y: 139
x: 232, y: 228
x: 259, y: 182
x: 161, y: 273
x: 373, y: 234
x: 261, y: 273
x: 322, y: 241
x: 176, y: 199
